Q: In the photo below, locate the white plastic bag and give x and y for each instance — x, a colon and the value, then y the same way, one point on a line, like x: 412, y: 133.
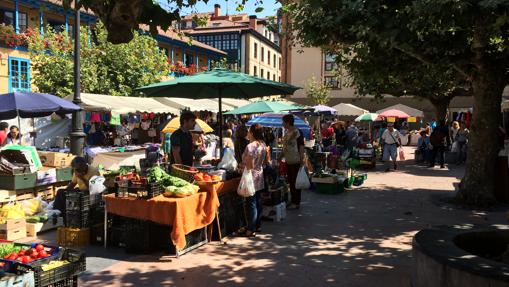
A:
x: 302, y: 181
x: 96, y: 186
x: 228, y: 161
x: 246, y: 186
x: 454, y: 147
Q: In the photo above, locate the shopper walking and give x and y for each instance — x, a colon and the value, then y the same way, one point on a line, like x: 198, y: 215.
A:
x: 439, y: 140
x: 392, y: 140
x: 461, y: 140
x: 253, y: 159
x: 293, y: 153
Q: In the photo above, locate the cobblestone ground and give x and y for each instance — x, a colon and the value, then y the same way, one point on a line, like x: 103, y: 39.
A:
x: 358, y: 238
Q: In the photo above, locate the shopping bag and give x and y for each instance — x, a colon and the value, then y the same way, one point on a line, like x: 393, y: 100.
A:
x: 302, y: 181
x: 246, y: 186
x: 12, y: 211
x: 401, y: 154
x: 228, y: 161
x: 454, y: 147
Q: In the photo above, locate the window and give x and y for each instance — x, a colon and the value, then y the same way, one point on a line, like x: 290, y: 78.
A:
x: 255, y: 71
x: 19, y: 74
x: 330, y: 62
x: 279, y: 64
x: 279, y: 79
x: 274, y: 62
x: 332, y: 82
x: 274, y: 77
x: 263, y: 54
x: 268, y: 75
x: 261, y: 73
x: 268, y: 58
x: 7, y: 18
x: 255, y: 50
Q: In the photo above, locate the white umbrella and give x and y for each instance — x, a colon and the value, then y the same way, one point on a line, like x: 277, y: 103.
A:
x: 349, y: 110
x: 368, y: 117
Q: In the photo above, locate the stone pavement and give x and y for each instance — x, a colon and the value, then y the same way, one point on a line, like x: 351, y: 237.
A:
x: 358, y: 238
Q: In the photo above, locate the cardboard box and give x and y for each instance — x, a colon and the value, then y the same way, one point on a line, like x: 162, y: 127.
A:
x: 24, y: 194
x: 46, y: 175
x: 55, y: 159
x: 64, y: 174
x: 34, y: 228
x: 13, y: 224
x: 328, y: 179
x: 7, y: 195
x: 14, y: 234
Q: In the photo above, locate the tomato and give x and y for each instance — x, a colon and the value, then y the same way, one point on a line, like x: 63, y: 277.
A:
x: 26, y: 259
x: 39, y: 247
x: 30, y: 251
x: 2, y: 264
x: 34, y: 255
x: 6, y: 256
x: 22, y: 252
x: 43, y: 254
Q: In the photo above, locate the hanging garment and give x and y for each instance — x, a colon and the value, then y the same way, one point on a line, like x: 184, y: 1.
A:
x: 151, y: 116
x: 87, y: 116
x: 95, y: 117
x: 115, y: 120
x: 86, y: 128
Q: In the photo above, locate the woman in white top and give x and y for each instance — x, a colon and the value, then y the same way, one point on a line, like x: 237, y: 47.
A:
x: 14, y: 136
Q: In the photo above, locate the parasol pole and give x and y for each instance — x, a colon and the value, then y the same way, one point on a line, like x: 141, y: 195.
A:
x: 77, y: 134
x: 220, y: 113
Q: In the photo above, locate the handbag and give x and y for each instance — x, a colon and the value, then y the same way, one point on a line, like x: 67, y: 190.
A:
x: 395, y: 141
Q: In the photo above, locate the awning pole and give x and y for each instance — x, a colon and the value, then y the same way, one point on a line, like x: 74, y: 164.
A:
x: 220, y: 113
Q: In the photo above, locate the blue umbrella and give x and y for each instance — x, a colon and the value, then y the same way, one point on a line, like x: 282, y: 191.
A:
x: 272, y: 120
x: 33, y: 105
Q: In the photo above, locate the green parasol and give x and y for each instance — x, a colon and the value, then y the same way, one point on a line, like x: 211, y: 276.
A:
x: 261, y: 107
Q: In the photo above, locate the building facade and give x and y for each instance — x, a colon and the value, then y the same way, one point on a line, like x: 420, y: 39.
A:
x: 15, y: 72
x: 252, y: 44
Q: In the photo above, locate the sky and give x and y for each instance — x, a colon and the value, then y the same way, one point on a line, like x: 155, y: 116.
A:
x: 270, y: 7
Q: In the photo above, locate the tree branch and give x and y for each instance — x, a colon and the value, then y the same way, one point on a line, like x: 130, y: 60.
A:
x: 427, y: 62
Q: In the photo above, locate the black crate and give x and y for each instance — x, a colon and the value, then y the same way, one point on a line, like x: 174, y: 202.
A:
x: 76, y: 265
x: 232, y: 215
x: 77, y: 201
x: 96, y: 215
x: 137, y: 236
x: 160, y: 237
x: 77, y: 219
x: 69, y: 282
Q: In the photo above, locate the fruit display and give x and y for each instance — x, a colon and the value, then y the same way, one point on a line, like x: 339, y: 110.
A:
x: 23, y: 253
x: 53, y: 264
x: 202, y: 176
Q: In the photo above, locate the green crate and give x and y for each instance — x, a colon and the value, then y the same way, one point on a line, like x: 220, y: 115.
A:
x: 329, y: 188
x: 18, y: 181
x: 349, y: 182
x: 64, y: 174
x: 358, y: 181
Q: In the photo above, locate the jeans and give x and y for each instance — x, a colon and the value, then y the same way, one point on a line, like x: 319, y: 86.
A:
x: 440, y: 152
x: 293, y: 170
x: 255, y: 208
x: 462, y: 152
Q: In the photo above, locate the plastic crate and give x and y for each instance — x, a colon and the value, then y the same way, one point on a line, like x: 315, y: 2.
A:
x: 73, y: 237
x: 231, y: 215
x: 137, y: 236
x: 10, y: 264
x: 77, y: 201
x: 96, y: 215
x: 329, y: 188
x: 77, y: 218
x: 76, y: 265
x: 349, y: 182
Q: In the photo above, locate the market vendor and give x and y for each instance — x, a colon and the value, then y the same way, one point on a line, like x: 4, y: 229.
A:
x: 182, y: 140
x: 81, y: 175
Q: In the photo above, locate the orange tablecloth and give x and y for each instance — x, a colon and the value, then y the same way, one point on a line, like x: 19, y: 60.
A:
x: 183, y: 214
x: 227, y: 186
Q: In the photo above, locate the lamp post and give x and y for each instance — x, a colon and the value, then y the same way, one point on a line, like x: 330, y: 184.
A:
x: 77, y: 134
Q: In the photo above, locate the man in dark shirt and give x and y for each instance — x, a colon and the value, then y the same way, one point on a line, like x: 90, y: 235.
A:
x: 182, y: 140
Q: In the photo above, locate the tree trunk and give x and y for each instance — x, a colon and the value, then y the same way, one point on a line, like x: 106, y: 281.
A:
x: 478, y: 185
x: 441, y: 104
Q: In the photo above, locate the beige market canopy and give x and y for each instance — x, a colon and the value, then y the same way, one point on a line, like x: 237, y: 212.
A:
x: 406, y: 109
x: 193, y: 105
x: 123, y: 105
x: 505, y: 105
x: 349, y: 110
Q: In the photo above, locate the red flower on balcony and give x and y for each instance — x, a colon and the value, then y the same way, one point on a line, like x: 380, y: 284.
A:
x: 180, y: 69
x: 10, y: 38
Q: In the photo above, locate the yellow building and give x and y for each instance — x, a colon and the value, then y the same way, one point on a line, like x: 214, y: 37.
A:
x: 251, y: 44
x: 15, y: 74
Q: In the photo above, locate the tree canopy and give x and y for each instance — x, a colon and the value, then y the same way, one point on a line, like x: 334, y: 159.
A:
x: 106, y: 68
x: 470, y: 37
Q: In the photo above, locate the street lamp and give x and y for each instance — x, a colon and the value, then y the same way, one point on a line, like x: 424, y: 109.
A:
x: 77, y: 134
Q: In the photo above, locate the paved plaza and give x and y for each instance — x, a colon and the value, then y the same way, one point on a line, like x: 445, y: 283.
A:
x: 358, y: 238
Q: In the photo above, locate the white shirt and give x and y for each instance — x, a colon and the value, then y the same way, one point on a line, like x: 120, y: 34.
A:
x: 388, y: 139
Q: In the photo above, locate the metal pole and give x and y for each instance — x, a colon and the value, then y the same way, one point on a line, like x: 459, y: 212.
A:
x: 220, y: 113
x: 77, y: 134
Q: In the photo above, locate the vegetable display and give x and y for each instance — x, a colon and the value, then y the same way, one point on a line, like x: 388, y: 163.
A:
x: 12, y: 252
x: 53, y: 264
x: 174, y: 186
x: 202, y: 176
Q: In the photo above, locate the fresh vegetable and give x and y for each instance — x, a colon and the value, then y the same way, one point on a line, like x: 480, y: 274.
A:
x: 16, y: 252
x: 53, y: 264
x: 8, y: 248
x: 37, y: 218
x: 39, y: 247
x: 201, y: 176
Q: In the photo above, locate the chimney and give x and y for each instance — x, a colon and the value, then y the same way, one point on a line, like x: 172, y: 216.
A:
x: 217, y: 10
x: 253, y: 22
